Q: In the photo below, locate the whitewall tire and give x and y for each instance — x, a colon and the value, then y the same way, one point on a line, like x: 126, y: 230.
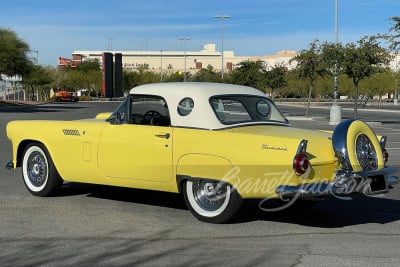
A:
x: 38, y: 171
x: 211, y: 201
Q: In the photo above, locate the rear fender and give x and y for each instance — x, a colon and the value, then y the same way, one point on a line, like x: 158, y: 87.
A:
x: 205, y: 166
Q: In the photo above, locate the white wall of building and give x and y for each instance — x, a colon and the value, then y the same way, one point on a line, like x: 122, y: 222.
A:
x: 175, y: 60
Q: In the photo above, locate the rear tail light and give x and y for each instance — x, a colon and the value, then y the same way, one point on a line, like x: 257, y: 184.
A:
x: 300, y: 162
x: 385, y: 154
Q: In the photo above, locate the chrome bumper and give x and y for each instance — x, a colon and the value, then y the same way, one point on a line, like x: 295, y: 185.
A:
x: 345, y: 183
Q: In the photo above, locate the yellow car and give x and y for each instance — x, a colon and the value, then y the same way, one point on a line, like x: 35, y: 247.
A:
x: 217, y: 144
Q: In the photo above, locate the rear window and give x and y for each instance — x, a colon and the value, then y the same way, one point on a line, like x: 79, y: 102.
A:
x: 235, y: 109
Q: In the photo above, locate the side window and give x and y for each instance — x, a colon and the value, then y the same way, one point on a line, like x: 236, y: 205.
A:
x: 229, y: 111
x: 149, y: 110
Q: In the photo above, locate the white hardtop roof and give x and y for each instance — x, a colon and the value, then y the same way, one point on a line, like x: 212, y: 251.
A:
x: 202, y: 115
x: 193, y: 88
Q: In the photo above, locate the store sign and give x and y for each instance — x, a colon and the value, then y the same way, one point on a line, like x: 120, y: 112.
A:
x: 15, y: 78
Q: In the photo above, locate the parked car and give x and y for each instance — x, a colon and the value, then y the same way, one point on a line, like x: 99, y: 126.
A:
x: 217, y: 144
x: 64, y: 96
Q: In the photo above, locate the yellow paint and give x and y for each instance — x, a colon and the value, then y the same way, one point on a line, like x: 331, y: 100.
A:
x: 255, y: 159
x: 355, y: 129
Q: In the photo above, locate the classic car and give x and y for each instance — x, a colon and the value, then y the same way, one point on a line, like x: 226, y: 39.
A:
x: 217, y: 144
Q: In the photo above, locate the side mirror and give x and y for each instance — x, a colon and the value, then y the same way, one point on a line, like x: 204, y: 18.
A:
x: 112, y: 119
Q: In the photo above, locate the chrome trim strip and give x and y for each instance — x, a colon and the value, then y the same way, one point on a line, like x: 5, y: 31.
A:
x: 392, y: 180
x: 339, y: 142
x: 382, y: 142
x: 344, y: 183
x: 383, y: 171
x: 302, y: 148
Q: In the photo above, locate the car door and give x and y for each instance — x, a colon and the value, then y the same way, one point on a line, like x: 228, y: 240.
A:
x: 141, y: 147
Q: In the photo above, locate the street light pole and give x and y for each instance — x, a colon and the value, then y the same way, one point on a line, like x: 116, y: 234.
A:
x: 396, y: 96
x: 222, y: 17
x: 335, y: 82
x: 184, y: 39
x: 161, y: 70
x: 336, y: 110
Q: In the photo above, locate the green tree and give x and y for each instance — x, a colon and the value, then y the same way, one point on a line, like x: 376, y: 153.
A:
x: 206, y: 75
x: 323, y: 87
x: 295, y: 87
x: 13, y: 50
x: 346, y: 85
x: 249, y: 73
x: 361, y: 60
x: 378, y: 84
x: 174, y: 77
x: 333, y: 57
x: 74, y: 80
x: 309, y: 66
x: 276, y: 79
x: 89, y: 66
x: 37, y: 80
x: 91, y: 80
x: 130, y: 79
x: 394, y: 40
x: 147, y: 76
x: 393, y: 36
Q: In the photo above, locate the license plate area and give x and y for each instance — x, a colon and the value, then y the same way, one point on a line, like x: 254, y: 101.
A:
x: 377, y: 183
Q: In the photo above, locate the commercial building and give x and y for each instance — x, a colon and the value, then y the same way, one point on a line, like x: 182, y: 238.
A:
x: 173, y: 61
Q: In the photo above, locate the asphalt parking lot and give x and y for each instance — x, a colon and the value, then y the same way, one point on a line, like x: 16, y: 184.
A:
x: 90, y: 225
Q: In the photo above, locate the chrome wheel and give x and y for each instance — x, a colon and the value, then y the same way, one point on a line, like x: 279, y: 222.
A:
x: 211, y: 201
x: 210, y: 196
x: 35, y: 168
x: 38, y: 171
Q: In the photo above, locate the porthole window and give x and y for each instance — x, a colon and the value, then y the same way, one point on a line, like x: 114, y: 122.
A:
x: 262, y: 108
x: 185, y: 106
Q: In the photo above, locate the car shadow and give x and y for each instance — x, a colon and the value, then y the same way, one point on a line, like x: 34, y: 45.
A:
x: 332, y: 212
x: 328, y: 213
x: 50, y: 107
x: 132, y: 195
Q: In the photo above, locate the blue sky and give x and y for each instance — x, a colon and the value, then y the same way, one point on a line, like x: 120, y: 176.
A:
x: 256, y: 27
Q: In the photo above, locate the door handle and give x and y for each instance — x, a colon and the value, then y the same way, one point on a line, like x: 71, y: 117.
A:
x: 166, y: 135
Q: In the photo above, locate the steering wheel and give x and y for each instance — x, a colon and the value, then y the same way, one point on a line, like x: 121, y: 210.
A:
x: 149, y: 116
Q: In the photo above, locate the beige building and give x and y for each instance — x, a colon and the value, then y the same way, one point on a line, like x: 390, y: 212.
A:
x: 172, y: 61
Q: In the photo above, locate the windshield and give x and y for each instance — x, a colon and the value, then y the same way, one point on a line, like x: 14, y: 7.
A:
x: 235, y: 109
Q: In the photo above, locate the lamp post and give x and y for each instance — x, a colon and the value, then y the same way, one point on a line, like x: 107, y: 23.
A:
x: 184, y: 39
x: 161, y: 69
x: 335, y: 82
x: 222, y: 17
x: 396, y: 96
x: 336, y: 110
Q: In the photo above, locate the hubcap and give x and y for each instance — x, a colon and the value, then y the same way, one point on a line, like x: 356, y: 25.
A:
x: 37, y: 169
x: 208, y: 195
